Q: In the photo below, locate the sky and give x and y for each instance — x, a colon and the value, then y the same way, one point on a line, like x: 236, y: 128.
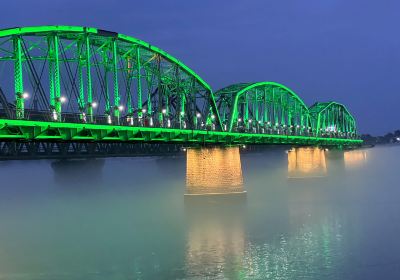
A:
x: 324, y: 50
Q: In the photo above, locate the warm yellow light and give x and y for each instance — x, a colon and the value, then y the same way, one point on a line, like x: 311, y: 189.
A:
x: 306, y: 162
x: 213, y: 170
x: 355, y: 158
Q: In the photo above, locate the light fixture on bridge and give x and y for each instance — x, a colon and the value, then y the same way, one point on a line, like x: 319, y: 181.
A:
x: 63, y: 99
x: 250, y: 120
x: 198, y: 115
x: 239, y: 119
x: 213, y: 117
x: 144, y: 110
x: 120, y: 107
x: 164, y: 111
x: 94, y: 104
x: 25, y: 95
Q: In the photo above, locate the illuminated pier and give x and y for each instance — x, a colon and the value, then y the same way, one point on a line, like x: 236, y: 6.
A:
x: 213, y: 171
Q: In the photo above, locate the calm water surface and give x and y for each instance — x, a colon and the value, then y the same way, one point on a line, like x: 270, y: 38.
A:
x: 207, y: 214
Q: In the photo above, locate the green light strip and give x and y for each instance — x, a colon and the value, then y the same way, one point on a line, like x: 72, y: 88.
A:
x: 191, y: 135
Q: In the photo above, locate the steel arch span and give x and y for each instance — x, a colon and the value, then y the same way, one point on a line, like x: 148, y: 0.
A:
x: 88, y: 75
x: 77, y: 84
x: 332, y: 119
x: 263, y: 107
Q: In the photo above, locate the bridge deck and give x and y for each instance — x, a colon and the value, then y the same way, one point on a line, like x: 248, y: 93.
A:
x: 25, y: 130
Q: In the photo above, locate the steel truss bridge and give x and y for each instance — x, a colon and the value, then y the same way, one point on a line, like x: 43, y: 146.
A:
x: 66, y: 84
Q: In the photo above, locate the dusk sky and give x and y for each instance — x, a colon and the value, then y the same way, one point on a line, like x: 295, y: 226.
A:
x: 324, y: 50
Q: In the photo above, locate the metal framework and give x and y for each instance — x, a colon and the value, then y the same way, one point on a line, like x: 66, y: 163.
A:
x: 73, y: 84
x: 68, y: 150
x: 332, y: 119
x: 264, y: 107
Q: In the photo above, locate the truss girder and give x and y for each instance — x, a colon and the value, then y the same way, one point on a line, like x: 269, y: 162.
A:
x: 332, y: 119
x: 67, y: 83
x: 102, y: 77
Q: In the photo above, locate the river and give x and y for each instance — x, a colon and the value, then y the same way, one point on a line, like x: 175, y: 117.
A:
x: 213, y: 213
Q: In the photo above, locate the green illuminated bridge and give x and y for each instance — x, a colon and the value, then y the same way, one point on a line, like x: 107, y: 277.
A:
x: 77, y: 84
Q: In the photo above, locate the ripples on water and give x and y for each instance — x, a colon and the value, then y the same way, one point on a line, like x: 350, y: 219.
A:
x: 208, y: 214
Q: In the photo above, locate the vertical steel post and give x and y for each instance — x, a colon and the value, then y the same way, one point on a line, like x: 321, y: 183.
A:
x: 89, y: 92
x: 129, y: 86
x: 149, y: 81
x: 54, y: 77
x: 18, y: 79
x: 160, y: 93
x: 256, y: 107
x: 246, y: 110
x: 275, y: 113
x: 81, y: 82
x: 318, y: 124
x: 115, y: 81
x: 139, y: 83
x: 288, y: 110
x: 265, y: 106
x: 106, y: 63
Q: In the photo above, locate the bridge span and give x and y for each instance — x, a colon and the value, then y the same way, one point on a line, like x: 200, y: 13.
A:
x: 63, y: 84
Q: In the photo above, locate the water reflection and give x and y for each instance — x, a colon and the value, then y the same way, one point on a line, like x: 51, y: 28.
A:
x: 215, y: 235
x: 306, y: 163
x: 309, y: 252
x: 213, y: 171
x: 355, y: 158
x: 214, y: 210
x: 78, y: 171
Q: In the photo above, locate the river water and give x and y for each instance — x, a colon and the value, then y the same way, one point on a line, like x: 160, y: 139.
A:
x: 205, y: 214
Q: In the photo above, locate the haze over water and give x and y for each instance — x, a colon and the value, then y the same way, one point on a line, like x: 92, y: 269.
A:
x: 205, y: 214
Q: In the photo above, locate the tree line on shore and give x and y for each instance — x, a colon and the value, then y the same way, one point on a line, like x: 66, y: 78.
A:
x: 391, y: 137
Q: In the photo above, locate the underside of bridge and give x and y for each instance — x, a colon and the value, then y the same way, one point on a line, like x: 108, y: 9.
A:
x: 78, y: 84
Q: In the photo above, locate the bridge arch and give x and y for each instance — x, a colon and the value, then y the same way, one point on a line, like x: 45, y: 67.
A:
x: 264, y: 107
x: 89, y: 75
x: 332, y: 119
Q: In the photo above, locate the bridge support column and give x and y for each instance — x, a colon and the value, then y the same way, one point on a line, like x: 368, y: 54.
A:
x: 213, y: 170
